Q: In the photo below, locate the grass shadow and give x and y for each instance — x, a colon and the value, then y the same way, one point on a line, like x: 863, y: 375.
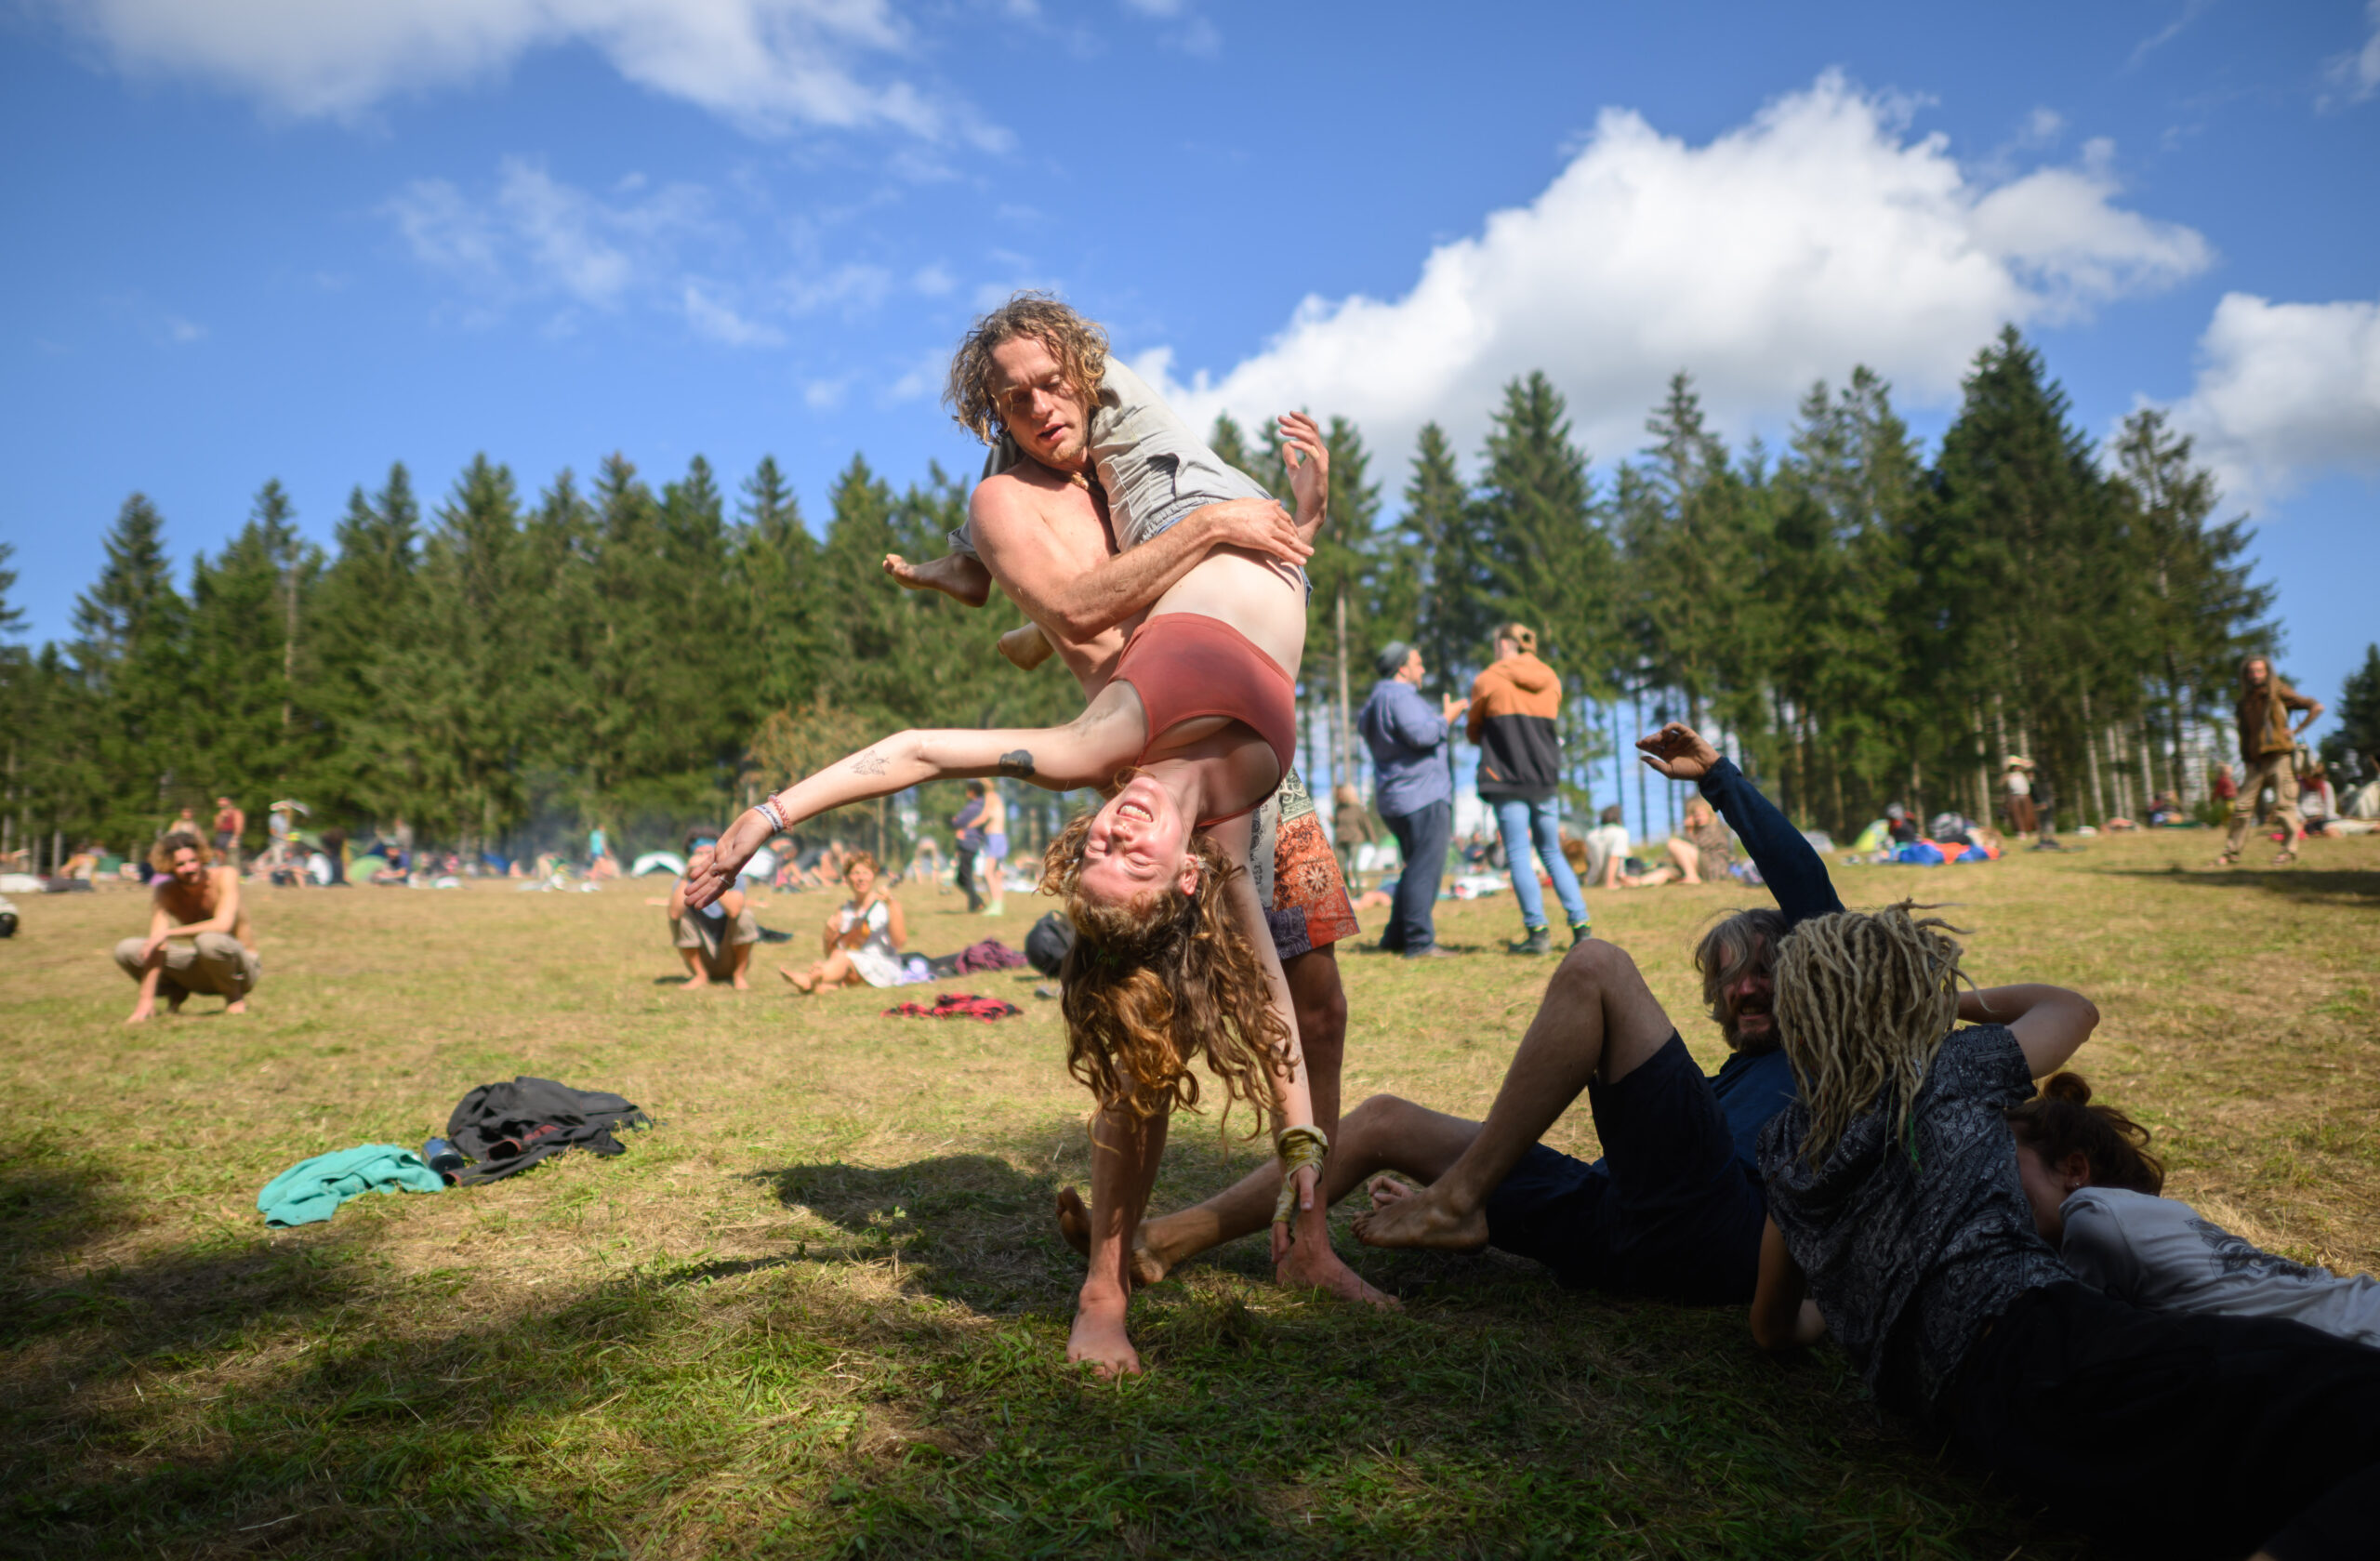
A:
x: 2336, y: 886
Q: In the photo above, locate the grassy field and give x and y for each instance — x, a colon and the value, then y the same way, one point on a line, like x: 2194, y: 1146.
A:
x: 822, y: 1309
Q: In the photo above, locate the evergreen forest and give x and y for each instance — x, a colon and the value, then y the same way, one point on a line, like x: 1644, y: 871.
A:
x: 1862, y: 622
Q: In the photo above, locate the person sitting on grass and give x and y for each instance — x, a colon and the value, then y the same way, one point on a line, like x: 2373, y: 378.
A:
x: 1672, y: 1209
x: 2093, y: 1187
x: 716, y: 942
x: 864, y: 937
x: 1173, y: 957
x: 1897, y: 1221
x: 199, y: 939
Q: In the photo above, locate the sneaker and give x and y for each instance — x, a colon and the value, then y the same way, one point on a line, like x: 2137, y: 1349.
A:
x: 1540, y: 941
x: 1580, y: 931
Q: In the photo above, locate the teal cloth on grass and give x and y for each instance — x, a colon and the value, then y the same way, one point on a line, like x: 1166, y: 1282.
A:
x: 312, y: 1190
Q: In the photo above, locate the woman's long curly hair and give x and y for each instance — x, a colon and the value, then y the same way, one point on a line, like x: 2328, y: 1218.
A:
x: 2063, y: 1119
x: 1864, y: 1001
x: 1153, y: 982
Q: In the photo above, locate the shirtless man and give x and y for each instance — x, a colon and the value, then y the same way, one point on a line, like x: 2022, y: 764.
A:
x: 1044, y: 534
x: 199, y: 937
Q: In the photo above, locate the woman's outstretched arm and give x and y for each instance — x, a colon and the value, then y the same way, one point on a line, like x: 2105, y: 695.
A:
x: 1086, y: 752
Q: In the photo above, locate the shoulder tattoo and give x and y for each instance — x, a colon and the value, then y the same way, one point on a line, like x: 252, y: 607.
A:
x: 1017, y: 764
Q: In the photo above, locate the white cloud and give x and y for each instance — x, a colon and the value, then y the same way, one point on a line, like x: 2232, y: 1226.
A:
x: 934, y: 281
x: 715, y: 320
x: 2285, y: 391
x: 536, y: 236
x: 1819, y: 236
x: 823, y: 395
x: 184, y: 333
x: 766, y: 65
x: 2358, y: 72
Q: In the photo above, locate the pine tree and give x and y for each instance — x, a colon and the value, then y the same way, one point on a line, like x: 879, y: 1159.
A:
x: 777, y: 561
x: 2359, y: 728
x: 1458, y: 595
x: 130, y: 658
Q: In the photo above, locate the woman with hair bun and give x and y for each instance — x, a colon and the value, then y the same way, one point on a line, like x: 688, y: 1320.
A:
x: 2094, y: 1188
x: 1174, y: 958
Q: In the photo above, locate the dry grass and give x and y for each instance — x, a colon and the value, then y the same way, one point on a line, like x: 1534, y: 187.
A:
x: 821, y: 1309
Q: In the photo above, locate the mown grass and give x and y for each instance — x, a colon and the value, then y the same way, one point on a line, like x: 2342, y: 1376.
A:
x: 821, y: 1310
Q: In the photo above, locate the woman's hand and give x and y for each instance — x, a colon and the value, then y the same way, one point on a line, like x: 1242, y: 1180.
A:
x: 1309, y: 462
x: 714, y: 869
x: 1285, y: 1233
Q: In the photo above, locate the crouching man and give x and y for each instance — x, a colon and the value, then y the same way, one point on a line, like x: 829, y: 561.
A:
x: 715, y: 942
x: 199, y: 936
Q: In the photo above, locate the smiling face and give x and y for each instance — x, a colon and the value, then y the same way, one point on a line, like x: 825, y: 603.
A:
x: 1138, y: 843
x: 861, y: 877
x: 188, y: 871
x: 1047, y: 416
x: 1750, y: 1001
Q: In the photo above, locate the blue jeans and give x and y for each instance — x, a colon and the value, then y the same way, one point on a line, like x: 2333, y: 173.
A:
x: 1521, y: 822
x: 1423, y: 837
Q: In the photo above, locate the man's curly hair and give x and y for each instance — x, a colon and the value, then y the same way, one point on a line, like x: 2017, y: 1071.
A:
x: 1079, y: 347
x: 1155, y: 982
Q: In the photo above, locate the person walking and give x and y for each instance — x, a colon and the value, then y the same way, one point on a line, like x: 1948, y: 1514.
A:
x: 2269, y: 756
x: 1413, y: 791
x: 1513, y: 703
x: 968, y: 826
x: 992, y: 858
x: 1351, y: 830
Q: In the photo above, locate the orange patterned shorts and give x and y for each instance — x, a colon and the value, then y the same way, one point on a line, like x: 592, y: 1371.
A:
x: 1309, y: 909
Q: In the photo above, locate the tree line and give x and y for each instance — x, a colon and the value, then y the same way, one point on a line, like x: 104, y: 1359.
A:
x: 1861, y: 624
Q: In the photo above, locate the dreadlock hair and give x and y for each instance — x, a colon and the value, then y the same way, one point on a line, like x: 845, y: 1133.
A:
x: 2061, y: 1120
x: 1079, y: 347
x: 1736, y: 944
x: 1157, y: 981
x: 1864, y: 1001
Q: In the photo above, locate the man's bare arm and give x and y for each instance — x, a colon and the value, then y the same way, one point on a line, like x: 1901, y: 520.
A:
x: 1076, y: 603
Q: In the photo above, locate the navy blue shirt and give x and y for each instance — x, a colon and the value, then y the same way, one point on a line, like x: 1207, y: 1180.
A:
x: 1754, y: 1086
x: 1406, y: 733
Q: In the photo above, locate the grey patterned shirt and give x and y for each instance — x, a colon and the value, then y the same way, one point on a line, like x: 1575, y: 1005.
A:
x: 1915, y: 1232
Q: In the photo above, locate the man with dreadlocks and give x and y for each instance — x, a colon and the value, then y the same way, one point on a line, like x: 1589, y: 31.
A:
x: 1895, y: 1204
x: 1673, y: 1209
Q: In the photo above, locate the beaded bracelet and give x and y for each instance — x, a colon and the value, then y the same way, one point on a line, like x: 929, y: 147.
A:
x: 767, y: 808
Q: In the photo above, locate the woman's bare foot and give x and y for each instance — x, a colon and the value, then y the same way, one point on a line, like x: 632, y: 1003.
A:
x: 1311, y: 1264
x: 1074, y: 1223
x: 1026, y: 646
x: 797, y: 983
x: 1419, y: 1218
x: 954, y: 574
x: 1099, y: 1339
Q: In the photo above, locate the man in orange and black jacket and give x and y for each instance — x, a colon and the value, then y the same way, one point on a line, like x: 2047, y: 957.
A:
x: 1514, y: 706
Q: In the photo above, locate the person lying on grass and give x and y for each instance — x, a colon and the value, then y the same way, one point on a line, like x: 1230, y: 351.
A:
x: 1895, y: 1204
x: 199, y: 939
x: 1173, y: 958
x: 864, y: 936
x: 1673, y: 1209
x: 2093, y: 1187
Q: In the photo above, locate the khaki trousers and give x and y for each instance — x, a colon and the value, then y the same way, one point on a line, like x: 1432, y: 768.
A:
x: 717, y: 951
x: 216, y: 963
x: 2280, y: 772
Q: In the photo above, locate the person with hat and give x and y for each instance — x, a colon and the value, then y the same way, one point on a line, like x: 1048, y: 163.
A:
x: 1414, y: 790
x: 2019, y: 784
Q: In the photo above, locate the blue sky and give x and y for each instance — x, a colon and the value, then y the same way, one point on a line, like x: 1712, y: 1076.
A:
x: 267, y: 238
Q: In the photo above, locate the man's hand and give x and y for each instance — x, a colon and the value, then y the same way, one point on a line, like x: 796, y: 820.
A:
x: 1678, y: 751
x: 1261, y: 526
x: 1309, y: 463
x: 1453, y: 707
x: 149, y: 950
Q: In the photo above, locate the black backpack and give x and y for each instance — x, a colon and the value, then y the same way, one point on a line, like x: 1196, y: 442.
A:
x: 1046, y: 945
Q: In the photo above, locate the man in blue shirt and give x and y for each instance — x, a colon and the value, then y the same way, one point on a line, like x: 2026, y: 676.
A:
x: 1675, y: 1208
x: 1414, y: 791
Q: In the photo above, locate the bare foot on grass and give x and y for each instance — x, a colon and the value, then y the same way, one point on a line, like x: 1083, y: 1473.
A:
x: 1403, y: 1216
x: 1099, y: 1339
x: 1311, y: 1264
x: 237, y: 1005
x: 1074, y: 1223
x: 797, y: 983
x: 741, y: 984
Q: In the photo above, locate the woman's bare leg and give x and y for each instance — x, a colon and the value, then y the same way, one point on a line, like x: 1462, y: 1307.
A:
x: 1124, y: 1154
x: 1689, y: 859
